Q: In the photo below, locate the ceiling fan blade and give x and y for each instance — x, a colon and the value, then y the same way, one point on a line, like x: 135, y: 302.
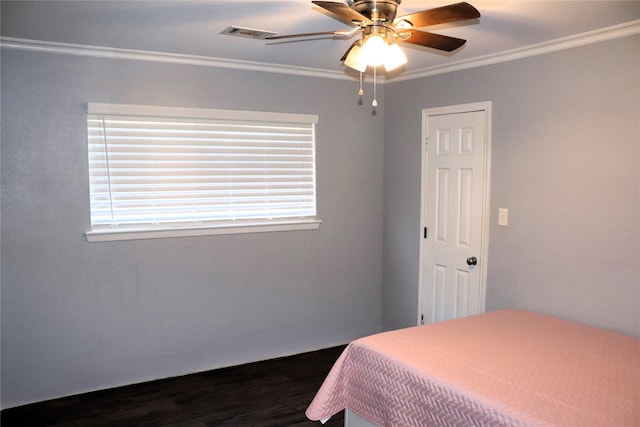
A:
x: 343, y: 12
x: 319, y: 33
x: 441, y: 15
x: 432, y: 40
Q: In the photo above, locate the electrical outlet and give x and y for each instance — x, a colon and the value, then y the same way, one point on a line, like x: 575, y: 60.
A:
x: 503, y: 217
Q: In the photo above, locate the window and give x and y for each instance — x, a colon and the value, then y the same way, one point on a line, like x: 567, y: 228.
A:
x: 159, y: 172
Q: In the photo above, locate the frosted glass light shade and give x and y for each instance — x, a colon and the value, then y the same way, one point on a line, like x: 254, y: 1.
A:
x: 394, y: 58
x: 356, y: 60
x: 375, y: 50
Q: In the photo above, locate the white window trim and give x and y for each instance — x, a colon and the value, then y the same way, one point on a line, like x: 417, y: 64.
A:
x: 199, y: 113
x: 125, y: 233
x: 133, y: 234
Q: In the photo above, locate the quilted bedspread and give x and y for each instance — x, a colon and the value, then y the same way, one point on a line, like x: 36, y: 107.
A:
x: 500, y: 368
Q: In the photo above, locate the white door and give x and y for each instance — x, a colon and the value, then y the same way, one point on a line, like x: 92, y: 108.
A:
x: 455, y: 204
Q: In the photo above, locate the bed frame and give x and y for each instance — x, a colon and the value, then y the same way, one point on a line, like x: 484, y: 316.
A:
x: 351, y: 419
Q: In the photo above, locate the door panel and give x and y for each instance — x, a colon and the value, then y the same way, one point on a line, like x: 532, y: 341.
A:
x: 453, y: 212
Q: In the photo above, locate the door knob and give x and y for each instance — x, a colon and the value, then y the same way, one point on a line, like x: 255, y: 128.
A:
x: 472, y: 261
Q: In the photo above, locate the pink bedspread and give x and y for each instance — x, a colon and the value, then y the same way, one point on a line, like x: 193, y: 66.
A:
x: 500, y: 368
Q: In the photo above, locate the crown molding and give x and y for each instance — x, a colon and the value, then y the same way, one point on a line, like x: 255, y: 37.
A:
x: 603, y: 34
x: 165, y: 57
x: 590, y: 37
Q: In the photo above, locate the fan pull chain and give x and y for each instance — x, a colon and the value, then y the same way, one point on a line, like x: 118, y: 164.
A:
x: 375, y: 101
x: 361, y: 92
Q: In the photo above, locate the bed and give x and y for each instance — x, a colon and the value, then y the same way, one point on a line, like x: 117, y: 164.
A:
x: 503, y: 368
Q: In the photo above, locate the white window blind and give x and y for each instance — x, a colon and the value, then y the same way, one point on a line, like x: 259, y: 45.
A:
x: 166, y: 168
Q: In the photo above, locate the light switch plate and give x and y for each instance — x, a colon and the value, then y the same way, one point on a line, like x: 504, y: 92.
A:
x: 503, y: 217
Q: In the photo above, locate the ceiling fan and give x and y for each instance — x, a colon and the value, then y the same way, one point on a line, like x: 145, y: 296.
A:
x: 377, y: 21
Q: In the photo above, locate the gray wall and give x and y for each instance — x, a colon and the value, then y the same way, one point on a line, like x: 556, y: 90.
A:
x: 80, y: 316
x: 565, y: 161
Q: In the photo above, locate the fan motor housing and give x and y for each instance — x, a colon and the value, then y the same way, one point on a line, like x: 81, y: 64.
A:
x: 376, y: 10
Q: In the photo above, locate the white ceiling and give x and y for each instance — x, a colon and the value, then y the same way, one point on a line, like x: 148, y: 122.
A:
x: 193, y: 27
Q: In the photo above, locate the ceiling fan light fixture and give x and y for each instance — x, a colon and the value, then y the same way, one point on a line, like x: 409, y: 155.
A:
x: 381, y: 30
x: 375, y: 51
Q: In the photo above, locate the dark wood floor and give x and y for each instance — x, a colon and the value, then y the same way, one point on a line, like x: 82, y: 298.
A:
x: 271, y: 393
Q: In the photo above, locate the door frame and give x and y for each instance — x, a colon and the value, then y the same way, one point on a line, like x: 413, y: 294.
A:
x: 486, y: 208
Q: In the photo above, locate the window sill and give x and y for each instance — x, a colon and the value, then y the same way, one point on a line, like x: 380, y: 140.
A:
x: 138, y: 234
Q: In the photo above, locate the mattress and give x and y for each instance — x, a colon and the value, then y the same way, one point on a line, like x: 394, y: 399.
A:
x: 505, y: 367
